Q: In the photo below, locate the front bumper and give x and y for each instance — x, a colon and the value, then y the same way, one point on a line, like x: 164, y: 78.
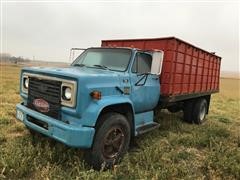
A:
x: 74, y: 136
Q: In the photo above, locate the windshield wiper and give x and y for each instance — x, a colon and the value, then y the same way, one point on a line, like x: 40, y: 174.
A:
x: 101, y: 66
x: 80, y: 65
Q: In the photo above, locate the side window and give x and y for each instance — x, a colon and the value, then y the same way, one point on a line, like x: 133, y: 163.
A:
x: 142, y: 63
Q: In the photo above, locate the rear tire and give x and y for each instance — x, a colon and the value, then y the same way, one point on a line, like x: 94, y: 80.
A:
x: 200, y: 111
x: 111, y: 141
x: 188, y: 111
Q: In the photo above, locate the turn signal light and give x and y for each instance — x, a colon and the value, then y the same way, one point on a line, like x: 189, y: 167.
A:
x: 96, y: 95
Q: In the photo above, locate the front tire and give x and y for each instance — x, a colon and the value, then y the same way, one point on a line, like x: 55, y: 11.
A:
x: 111, y: 141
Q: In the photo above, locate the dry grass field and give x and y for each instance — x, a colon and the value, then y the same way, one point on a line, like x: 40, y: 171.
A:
x: 175, y: 151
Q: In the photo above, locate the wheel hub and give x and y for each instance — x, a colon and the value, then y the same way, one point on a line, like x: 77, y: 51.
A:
x: 113, y: 142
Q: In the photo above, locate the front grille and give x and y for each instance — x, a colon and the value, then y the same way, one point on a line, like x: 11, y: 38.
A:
x: 47, y: 90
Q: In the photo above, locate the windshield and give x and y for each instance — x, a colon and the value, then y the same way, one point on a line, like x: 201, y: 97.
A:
x: 105, y: 58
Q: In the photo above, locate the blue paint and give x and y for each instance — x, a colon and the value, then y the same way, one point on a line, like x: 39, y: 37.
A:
x: 143, y: 118
x: 83, y: 117
x: 69, y: 134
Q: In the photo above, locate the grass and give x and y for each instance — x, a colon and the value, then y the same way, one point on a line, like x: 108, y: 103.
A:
x: 176, y: 151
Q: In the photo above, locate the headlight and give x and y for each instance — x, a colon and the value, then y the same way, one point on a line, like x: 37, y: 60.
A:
x: 26, y: 82
x: 67, y: 93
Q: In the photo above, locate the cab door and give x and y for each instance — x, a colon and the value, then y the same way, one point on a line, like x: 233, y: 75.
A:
x: 145, y: 89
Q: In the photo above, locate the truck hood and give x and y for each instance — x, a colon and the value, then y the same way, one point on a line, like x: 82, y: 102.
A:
x: 71, y: 72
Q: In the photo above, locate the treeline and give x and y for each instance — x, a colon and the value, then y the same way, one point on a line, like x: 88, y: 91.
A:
x: 6, y: 57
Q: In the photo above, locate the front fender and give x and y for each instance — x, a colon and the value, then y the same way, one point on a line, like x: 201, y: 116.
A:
x: 91, y: 114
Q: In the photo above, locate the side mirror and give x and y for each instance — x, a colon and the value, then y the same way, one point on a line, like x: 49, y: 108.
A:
x: 73, y: 55
x: 157, y: 59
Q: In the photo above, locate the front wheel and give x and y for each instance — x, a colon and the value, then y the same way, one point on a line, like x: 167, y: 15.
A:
x: 111, y: 141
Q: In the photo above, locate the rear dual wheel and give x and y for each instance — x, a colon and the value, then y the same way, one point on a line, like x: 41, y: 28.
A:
x: 200, y: 111
x: 195, y: 111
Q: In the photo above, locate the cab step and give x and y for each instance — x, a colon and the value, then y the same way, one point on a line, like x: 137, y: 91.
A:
x: 146, y: 128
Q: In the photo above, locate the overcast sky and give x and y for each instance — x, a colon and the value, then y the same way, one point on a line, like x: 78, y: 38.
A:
x: 47, y: 30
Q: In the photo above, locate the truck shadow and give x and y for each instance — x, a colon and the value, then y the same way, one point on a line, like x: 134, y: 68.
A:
x: 169, y: 123
x: 56, y: 152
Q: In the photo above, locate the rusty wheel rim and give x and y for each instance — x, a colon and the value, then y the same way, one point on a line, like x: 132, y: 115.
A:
x: 113, y: 142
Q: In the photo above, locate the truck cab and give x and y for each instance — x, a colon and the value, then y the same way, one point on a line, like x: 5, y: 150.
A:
x: 101, y: 101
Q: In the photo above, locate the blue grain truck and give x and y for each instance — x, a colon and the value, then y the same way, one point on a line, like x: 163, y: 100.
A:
x: 108, y: 95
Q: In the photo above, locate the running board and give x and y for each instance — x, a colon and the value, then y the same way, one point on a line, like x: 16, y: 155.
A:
x: 146, y: 128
